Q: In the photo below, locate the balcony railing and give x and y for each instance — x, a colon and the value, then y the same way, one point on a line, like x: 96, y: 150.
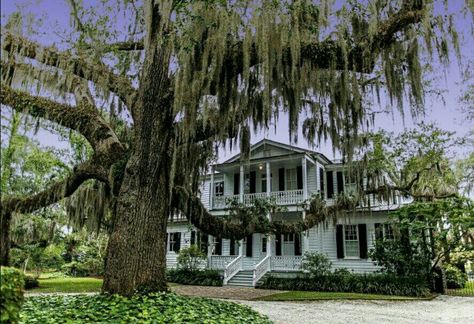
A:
x: 287, y: 197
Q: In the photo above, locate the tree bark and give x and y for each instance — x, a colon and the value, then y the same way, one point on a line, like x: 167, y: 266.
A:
x: 5, y: 239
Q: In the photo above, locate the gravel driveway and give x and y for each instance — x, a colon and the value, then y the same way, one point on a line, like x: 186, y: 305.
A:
x: 443, y: 309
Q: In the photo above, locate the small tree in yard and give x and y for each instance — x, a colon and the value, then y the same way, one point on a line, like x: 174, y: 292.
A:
x: 191, y: 258
x: 317, y: 264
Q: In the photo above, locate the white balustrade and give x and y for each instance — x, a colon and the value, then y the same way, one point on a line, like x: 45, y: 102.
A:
x: 219, y: 262
x: 260, y: 269
x: 232, y: 268
x: 288, y: 197
x: 286, y: 262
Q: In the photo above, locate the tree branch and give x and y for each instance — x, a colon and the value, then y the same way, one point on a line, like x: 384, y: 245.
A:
x: 85, y: 171
x: 83, y: 119
x: 96, y: 72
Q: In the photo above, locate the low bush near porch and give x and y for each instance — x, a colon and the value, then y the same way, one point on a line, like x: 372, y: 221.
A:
x: 204, y: 277
x: 368, y: 284
x: 153, y: 308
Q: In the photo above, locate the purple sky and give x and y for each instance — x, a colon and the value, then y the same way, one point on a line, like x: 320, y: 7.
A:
x: 446, y: 115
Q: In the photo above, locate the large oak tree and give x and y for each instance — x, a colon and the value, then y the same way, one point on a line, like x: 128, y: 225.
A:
x: 194, y: 74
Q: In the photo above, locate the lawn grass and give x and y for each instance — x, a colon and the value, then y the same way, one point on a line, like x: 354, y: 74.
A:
x: 468, y: 290
x: 70, y: 285
x: 319, y: 295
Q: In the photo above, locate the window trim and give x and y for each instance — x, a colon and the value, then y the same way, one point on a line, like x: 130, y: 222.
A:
x: 351, y: 257
x: 218, y: 184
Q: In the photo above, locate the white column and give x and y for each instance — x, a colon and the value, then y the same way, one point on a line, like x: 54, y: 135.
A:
x: 242, y: 179
x: 305, y: 178
x: 269, y: 237
x: 210, y: 246
x: 305, y: 237
x: 268, y: 179
x: 212, y: 190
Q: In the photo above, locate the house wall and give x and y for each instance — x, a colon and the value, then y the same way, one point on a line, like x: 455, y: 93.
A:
x: 322, y: 239
x: 183, y: 228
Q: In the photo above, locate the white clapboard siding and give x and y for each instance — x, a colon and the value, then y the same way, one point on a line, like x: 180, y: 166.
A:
x: 185, y: 241
x: 312, y: 180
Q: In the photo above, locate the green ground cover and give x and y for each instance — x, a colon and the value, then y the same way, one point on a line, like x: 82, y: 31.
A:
x: 468, y: 290
x: 318, y: 295
x: 153, y: 308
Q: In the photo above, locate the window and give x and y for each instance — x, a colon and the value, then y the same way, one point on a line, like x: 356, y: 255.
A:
x: 288, y: 237
x: 264, y: 244
x: 330, y: 184
x: 174, y: 241
x: 388, y: 232
x: 217, y: 246
x: 219, y: 188
x: 291, y: 179
x: 351, y: 241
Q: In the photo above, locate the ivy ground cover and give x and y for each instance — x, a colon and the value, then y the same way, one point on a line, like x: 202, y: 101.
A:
x: 153, y: 308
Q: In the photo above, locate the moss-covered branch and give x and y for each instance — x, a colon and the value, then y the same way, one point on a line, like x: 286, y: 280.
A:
x: 84, y: 119
x: 96, y: 72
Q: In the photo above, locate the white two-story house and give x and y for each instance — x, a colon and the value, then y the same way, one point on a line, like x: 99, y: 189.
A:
x: 290, y: 175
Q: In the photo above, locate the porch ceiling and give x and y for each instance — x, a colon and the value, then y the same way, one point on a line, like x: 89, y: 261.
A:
x: 286, y: 161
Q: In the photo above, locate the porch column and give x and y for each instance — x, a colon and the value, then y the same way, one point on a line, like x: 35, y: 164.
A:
x: 305, y: 178
x: 210, y: 246
x: 269, y: 237
x: 268, y: 179
x: 241, y: 189
x: 305, y: 237
x: 212, y: 190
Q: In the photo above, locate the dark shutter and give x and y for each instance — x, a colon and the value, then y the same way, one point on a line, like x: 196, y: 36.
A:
x: 363, y: 241
x: 232, y: 247
x: 253, y: 182
x: 340, y: 182
x: 281, y: 179
x: 321, y: 181
x: 177, y: 241
x: 378, y: 231
x: 297, y: 244
x: 218, y: 246
x: 278, y: 244
x: 299, y: 177
x: 193, y: 237
x: 248, y: 246
x: 340, y: 241
x: 203, y: 242
x: 330, y: 184
x: 236, y: 183
x: 264, y: 244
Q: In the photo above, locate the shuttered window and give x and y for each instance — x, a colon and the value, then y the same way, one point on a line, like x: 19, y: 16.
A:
x: 321, y: 181
x: 330, y: 184
x: 351, y: 241
x: 291, y: 179
x: 264, y: 244
x: 174, y: 241
x: 340, y: 182
x: 219, y: 188
x: 217, y: 249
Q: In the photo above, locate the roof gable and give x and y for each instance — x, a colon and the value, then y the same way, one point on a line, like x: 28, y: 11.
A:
x: 269, y: 148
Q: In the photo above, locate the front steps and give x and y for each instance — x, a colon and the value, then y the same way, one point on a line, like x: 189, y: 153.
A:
x: 243, y: 278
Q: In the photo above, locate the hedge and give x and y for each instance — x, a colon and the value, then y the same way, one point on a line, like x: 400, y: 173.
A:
x: 455, y: 278
x: 384, y: 284
x: 205, y: 277
x: 11, y: 297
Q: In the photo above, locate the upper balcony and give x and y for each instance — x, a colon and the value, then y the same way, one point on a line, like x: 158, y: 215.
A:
x: 284, y: 198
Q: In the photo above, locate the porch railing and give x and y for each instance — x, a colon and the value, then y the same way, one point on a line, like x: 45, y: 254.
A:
x: 219, y: 262
x: 286, y: 262
x: 260, y: 269
x: 232, y: 268
x: 286, y: 197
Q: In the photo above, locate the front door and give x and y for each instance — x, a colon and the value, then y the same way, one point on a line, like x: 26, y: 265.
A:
x: 288, y: 247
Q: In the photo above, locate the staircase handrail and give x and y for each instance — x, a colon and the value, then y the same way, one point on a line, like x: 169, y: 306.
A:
x: 261, y: 269
x: 232, y: 268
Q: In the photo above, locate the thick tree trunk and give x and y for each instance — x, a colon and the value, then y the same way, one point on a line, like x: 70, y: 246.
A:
x: 5, y: 239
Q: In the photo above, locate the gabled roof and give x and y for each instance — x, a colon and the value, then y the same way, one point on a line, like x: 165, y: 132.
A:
x: 290, y: 149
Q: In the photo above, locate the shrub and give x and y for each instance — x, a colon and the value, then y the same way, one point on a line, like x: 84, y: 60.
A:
x: 205, y: 277
x: 317, y: 264
x: 75, y: 269
x: 385, y: 284
x: 455, y: 278
x: 190, y: 258
x: 152, y: 308
x: 11, y: 297
x: 31, y: 282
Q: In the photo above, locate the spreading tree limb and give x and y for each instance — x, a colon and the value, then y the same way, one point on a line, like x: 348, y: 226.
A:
x: 96, y: 72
